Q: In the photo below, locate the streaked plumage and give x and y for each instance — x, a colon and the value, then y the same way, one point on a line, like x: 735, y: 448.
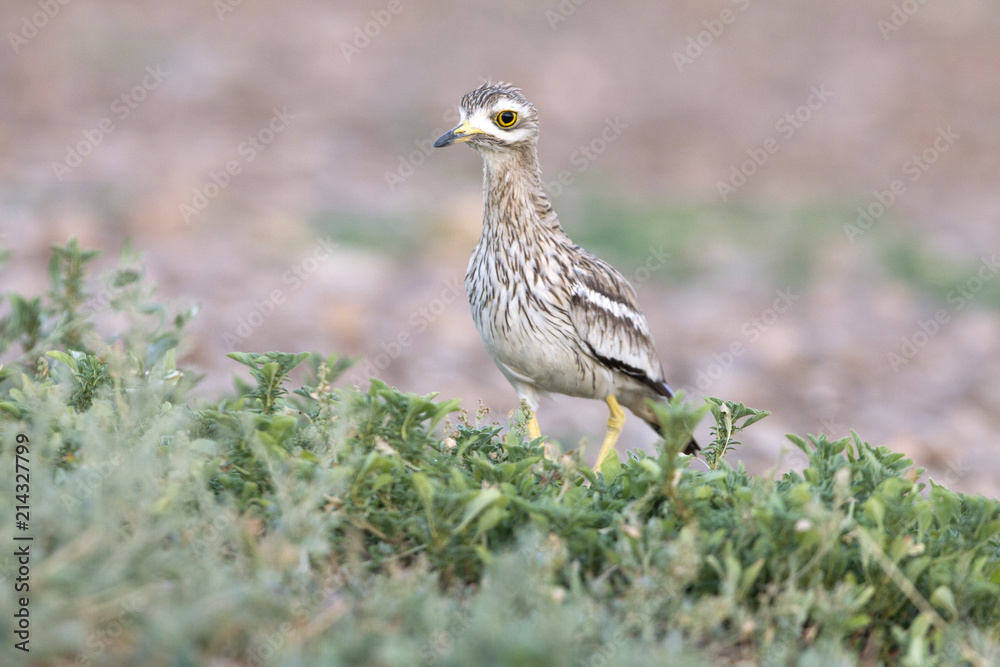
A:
x: 555, y: 318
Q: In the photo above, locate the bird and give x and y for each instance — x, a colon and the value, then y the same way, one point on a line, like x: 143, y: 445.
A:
x: 555, y: 318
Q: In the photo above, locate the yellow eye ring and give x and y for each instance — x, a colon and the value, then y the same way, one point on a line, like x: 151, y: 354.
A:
x: 505, y: 118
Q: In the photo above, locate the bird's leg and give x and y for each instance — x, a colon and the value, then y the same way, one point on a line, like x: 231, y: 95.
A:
x: 533, y: 430
x: 615, y: 423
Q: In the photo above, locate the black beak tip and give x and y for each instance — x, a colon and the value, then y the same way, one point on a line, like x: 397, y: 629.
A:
x: 444, y: 140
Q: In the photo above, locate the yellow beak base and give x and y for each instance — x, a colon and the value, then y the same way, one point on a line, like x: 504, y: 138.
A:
x: 457, y: 135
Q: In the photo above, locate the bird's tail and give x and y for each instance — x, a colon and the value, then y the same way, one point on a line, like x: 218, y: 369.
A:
x: 664, y: 390
x: 692, y: 446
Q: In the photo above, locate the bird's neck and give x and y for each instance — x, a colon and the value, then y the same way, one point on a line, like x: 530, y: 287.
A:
x: 514, y: 200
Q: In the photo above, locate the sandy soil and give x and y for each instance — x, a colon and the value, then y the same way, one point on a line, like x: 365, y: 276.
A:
x: 243, y: 145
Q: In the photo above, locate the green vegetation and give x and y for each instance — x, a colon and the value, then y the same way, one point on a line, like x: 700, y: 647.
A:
x: 323, y: 524
x: 953, y: 285
x: 695, y: 236
x: 382, y: 233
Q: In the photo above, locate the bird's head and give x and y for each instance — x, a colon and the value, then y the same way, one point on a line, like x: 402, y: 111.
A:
x: 494, y: 116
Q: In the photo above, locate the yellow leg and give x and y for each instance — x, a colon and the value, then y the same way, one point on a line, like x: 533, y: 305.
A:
x: 615, y: 423
x: 533, y: 430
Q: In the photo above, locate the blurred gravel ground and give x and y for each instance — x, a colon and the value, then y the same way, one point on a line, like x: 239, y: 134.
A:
x: 298, y: 134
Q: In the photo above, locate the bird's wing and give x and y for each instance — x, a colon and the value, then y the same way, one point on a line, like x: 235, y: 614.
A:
x: 606, y: 316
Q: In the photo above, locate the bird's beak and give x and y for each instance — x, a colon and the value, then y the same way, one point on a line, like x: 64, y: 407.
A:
x: 457, y: 135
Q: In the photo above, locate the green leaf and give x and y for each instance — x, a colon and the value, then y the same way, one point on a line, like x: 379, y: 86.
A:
x: 490, y: 518
x: 424, y: 488
x: 799, y: 442
x: 944, y: 598
x: 160, y: 346
x: 875, y: 508
x: 64, y: 358
x: 610, y: 467
x: 750, y: 575
x: 125, y: 277
x: 245, y: 358
x: 483, y: 500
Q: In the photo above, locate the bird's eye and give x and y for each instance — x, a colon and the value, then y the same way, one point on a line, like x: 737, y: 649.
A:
x: 506, y: 118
